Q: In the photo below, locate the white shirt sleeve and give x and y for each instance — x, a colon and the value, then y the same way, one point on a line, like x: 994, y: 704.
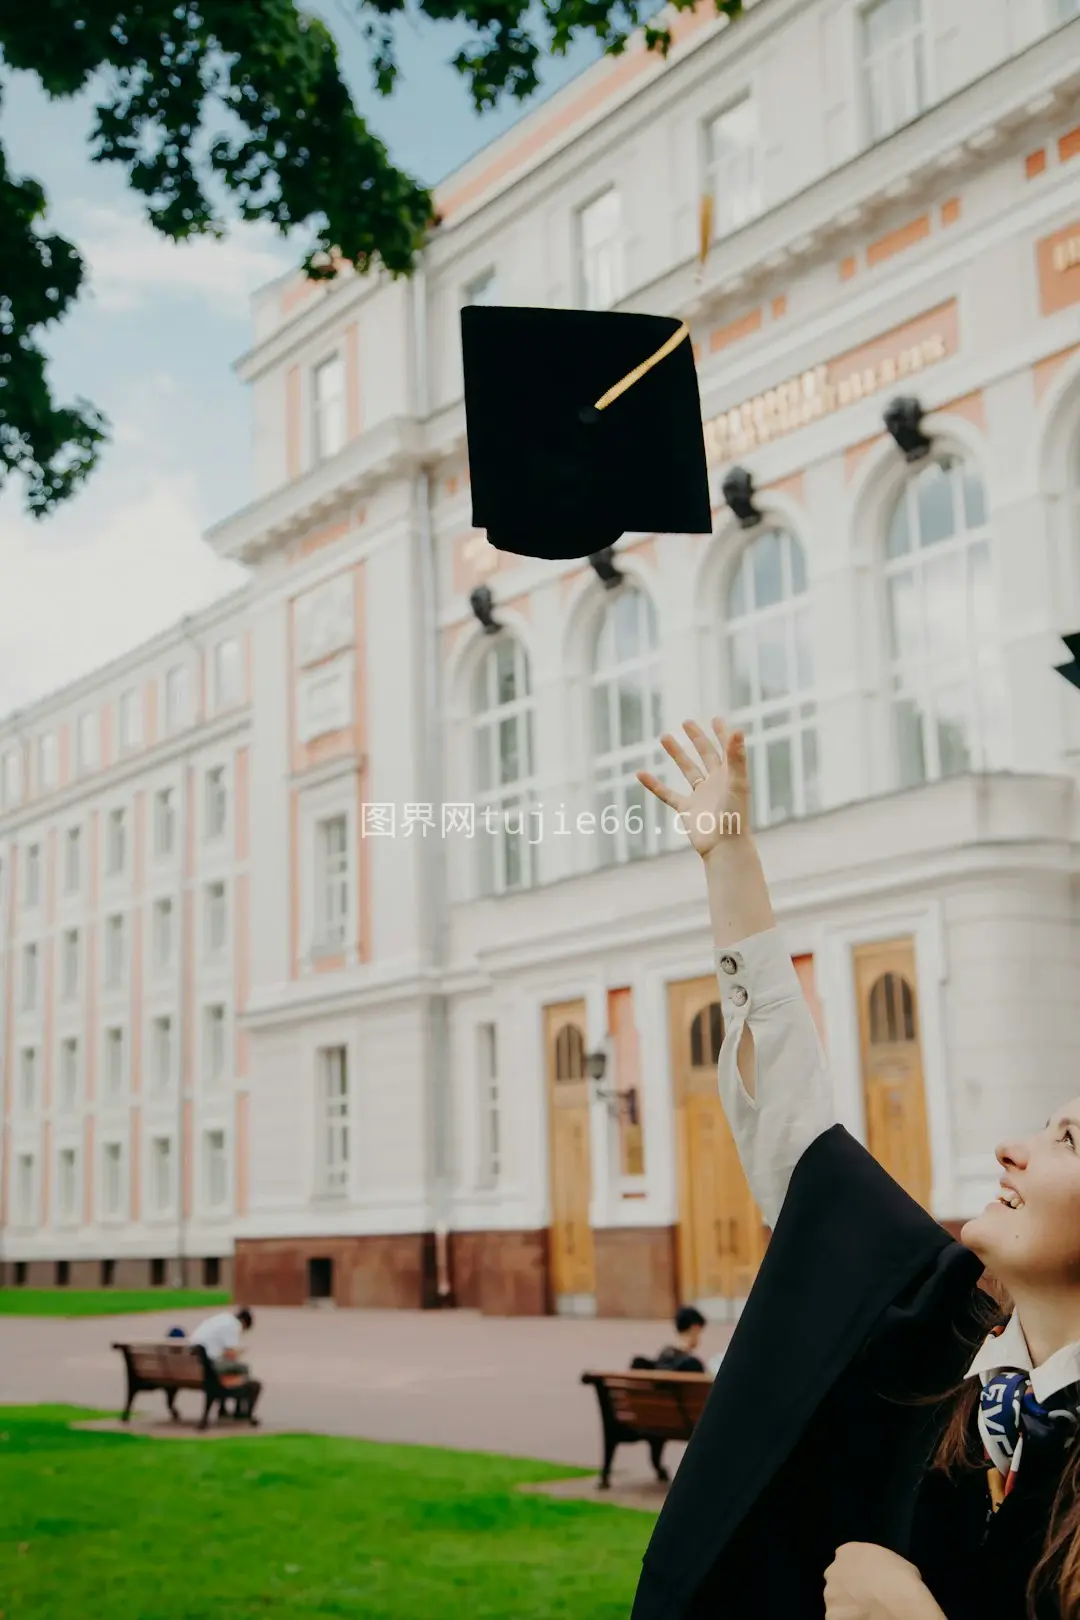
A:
x: 793, y: 1101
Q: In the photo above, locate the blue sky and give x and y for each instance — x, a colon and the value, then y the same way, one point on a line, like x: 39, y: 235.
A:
x: 152, y: 341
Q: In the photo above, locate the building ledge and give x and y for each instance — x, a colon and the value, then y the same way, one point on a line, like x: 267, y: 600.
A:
x: 392, y: 450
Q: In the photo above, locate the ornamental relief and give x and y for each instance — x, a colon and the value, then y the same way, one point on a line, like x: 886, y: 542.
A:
x: 324, y: 620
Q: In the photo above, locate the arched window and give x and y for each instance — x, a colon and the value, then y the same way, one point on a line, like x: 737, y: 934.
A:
x: 947, y: 688
x: 707, y: 1036
x: 892, y: 1010
x: 569, y: 1053
x: 503, y: 767
x: 770, y: 675
x: 625, y: 728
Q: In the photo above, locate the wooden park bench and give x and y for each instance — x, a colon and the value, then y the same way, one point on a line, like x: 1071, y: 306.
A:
x: 647, y: 1405
x: 172, y: 1365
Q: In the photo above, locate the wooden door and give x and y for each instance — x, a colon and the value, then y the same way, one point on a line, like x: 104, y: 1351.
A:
x: 721, y: 1237
x: 573, y: 1257
x: 895, y: 1098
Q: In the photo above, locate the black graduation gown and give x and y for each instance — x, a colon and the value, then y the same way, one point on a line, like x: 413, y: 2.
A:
x: 812, y: 1435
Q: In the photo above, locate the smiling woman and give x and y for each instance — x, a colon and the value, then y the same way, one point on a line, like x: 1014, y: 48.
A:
x: 855, y: 1443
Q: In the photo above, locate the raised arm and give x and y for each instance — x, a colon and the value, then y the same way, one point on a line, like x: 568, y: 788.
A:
x: 772, y: 1076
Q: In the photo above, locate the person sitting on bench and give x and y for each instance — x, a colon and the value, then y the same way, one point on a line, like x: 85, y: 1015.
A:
x: 220, y: 1337
x: 680, y: 1357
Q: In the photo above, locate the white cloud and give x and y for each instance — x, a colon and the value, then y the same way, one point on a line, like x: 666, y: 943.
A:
x: 97, y: 579
x: 132, y: 265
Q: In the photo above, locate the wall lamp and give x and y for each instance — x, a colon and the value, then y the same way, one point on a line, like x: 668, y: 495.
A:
x: 1071, y: 670
x: 618, y: 1102
x: 483, y: 603
x: 738, y: 491
x: 903, y: 420
x: 603, y: 565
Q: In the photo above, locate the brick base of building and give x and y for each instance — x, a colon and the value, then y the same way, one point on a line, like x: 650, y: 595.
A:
x: 128, y: 1273
x: 498, y: 1273
x: 501, y: 1273
x: 392, y: 1272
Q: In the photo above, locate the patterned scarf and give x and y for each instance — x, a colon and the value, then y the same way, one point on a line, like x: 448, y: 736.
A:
x: 1008, y: 1411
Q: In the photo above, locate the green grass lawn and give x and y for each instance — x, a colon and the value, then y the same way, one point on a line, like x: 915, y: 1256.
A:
x: 105, y: 1301
x: 131, y: 1528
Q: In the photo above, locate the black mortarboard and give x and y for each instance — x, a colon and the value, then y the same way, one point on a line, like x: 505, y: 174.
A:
x: 1071, y: 670
x: 582, y: 426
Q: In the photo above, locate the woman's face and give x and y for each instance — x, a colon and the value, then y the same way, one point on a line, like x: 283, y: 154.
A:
x: 1038, y: 1241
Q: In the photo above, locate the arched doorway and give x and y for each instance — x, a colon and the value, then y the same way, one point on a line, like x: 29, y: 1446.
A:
x: 573, y: 1253
x: 721, y: 1236
x: 894, y: 1095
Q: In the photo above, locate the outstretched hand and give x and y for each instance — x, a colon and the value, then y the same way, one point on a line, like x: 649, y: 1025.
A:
x: 718, y: 802
x: 867, y: 1582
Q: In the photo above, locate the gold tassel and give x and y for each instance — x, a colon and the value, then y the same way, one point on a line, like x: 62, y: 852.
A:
x: 705, y: 230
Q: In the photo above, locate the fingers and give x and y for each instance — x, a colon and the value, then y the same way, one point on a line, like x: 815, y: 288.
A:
x: 733, y: 745
x: 690, y: 768
x: 665, y: 794
x: 710, y: 754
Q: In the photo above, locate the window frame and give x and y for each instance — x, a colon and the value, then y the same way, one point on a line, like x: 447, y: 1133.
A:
x: 746, y: 98
x: 334, y: 1144
x: 319, y: 407
x: 582, y: 254
x: 863, y: 65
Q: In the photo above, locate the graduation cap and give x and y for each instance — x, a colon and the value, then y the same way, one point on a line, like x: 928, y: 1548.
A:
x: 1071, y: 670
x: 581, y: 426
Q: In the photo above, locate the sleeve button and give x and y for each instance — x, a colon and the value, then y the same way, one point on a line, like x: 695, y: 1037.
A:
x: 728, y: 963
x: 739, y: 996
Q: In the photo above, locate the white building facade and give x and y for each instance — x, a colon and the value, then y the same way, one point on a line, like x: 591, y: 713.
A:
x: 444, y: 898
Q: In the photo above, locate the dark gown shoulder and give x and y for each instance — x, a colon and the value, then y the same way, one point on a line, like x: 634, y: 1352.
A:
x: 813, y: 1434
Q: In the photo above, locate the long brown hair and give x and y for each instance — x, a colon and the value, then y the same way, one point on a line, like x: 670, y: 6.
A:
x: 960, y: 1451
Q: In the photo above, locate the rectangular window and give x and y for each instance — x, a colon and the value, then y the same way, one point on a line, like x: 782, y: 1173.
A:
x: 163, y: 935
x: 72, y: 860
x: 163, y: 1050
x: 69, y: 1075
x: 488, y: 1099
x: 48, y: 761
x: 176, y: 697
x: 130, y: 720
x: 29, y: 978
x: 215, y: 1169
x: 114, y: 1062
x: 732, y: 163
x: 333, y: 1084
x: 112, y: 1191
x: 86, y: 752
x: 164, y: 822
x: 12, y: 778
x: 330, y: 426
x: 600, y: 251
x: 483, y: 289
x: 114, y: 952
x: 214, y: 1045
x: 893, y: 64
x: 24, y: 1189
x: 216, y: 802
x: 116, y: 842
x: 333, y: 868
x: 28, y: 1079
x: 161, y: 1174
x: 69, y: 964
x: 66, y: 1184
x: 32, y: 876
x: 216, y: 919
x: 228, y: 684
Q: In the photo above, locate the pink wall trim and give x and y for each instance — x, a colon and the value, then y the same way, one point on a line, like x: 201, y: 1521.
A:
x: 292, y: 422
x: 242, y: 1153
x: 353, y: 399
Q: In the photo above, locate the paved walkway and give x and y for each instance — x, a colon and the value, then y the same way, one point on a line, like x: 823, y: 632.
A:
x: 451, y: 1378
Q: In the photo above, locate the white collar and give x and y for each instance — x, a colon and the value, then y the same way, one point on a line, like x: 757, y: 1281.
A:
x: 1009, y: 1350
